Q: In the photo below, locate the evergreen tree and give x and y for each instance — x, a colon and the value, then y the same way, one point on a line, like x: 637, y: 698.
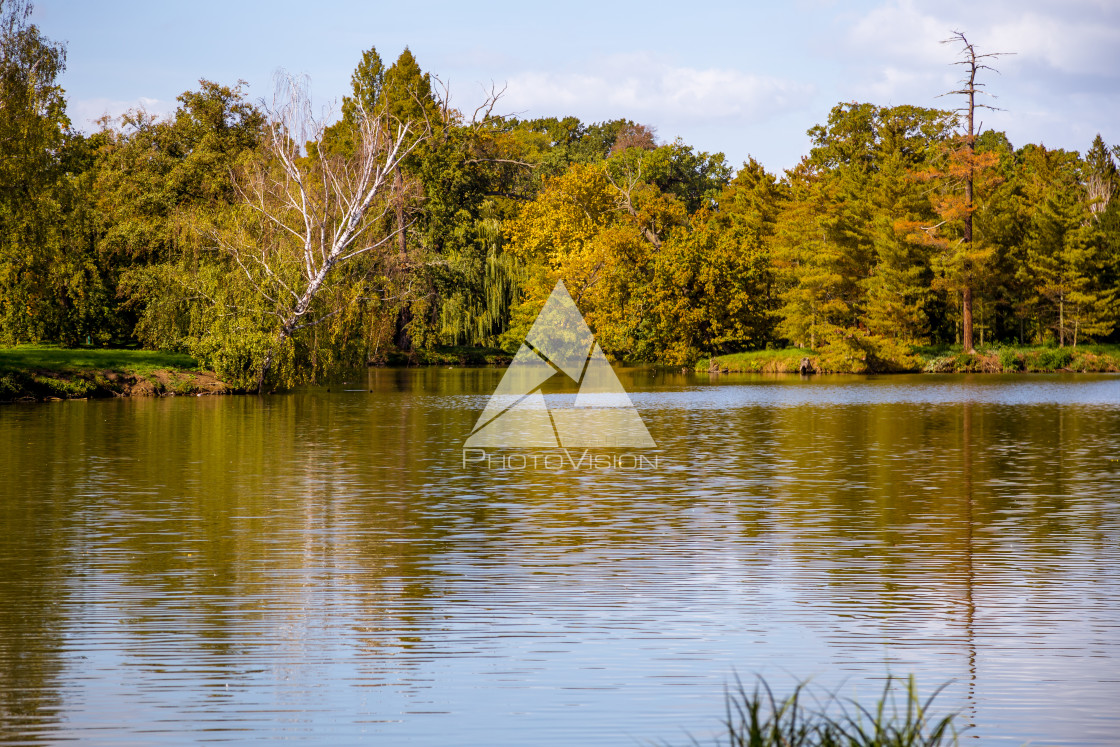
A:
x: 1101, y: 182
x: 366, y: 83
x: 900, y: 302
x: 818, y: 267
x: 1063, y: 263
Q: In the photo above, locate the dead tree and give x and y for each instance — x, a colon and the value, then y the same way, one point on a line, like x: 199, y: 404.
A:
x: 969, y: 87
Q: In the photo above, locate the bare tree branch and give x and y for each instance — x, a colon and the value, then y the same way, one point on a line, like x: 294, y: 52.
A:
x: 313, y: 211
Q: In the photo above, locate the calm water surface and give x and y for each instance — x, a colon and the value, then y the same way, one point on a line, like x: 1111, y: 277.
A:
x: 319, y: 567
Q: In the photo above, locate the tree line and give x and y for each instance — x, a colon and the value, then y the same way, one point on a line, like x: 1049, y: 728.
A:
x: 276, y: 244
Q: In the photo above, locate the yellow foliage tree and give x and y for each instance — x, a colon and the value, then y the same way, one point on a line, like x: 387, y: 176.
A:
x: 600, y: 239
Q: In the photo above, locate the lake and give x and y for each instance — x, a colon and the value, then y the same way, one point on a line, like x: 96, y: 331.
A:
x: 321, y: 567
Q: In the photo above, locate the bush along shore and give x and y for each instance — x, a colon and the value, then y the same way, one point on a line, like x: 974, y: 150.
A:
x: 992, y: 359
x: 450, y: 356
x: 34, y: 373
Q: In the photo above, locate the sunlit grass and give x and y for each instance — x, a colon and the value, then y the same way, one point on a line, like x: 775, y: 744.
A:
x: 786, y: 360
x: 48, y: 358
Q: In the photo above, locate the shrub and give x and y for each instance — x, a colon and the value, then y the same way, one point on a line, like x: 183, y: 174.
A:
x: 184, y: 385
x: 886, y: 355
x: 63, y: 388
x: 1010, y: 360
x: 237, y: 358
x: 1053, y: 359
x: 944, y: 364
x: 13, y: 385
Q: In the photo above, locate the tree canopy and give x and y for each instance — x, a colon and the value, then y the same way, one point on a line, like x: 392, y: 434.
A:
x: 203, y: 231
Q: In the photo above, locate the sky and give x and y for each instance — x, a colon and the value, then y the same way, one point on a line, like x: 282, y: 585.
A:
x: 743, y: 78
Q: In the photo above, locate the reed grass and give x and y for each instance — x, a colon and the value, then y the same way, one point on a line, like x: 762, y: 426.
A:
x: 899, y: 718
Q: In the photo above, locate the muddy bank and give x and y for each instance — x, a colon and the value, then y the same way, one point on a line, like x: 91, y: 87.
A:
x: 44, y: 385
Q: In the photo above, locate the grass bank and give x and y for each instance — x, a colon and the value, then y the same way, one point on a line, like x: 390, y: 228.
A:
x: 929, y: 359
x: 758, y: 361
x: 1015, y: 359
x: 42, y: 372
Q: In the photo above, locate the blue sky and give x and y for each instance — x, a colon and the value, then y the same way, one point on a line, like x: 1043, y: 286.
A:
x: 741, y: 78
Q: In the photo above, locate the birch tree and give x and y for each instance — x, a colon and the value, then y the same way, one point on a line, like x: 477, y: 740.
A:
x: 302, y: 219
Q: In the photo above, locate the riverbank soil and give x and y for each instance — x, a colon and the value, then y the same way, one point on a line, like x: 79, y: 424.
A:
x: 39, y: 373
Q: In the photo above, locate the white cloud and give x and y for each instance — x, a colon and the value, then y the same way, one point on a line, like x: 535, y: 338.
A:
x: 1068, y: 43
x: 639, y: 86
x: 1057, y: 87
x: 85, y: 113
x: 895, y: 85
x: 1074, y: 37
x: 898, y: 30
x: 894, y: 54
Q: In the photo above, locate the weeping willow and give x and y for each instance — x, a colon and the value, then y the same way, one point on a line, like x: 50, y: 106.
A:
x: 477, y: 311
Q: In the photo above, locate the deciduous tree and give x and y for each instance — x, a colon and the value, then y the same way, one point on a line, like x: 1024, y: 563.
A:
x: 34, y: 136
x: 303, y: 219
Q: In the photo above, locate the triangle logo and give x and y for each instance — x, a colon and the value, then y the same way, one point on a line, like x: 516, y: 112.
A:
x: 560, y: 344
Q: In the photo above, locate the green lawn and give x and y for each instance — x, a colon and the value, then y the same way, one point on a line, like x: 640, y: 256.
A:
x: 48, y: 358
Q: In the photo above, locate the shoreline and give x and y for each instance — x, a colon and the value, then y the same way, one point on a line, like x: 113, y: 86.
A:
x: 46, y: 383
x: 1026, y: 359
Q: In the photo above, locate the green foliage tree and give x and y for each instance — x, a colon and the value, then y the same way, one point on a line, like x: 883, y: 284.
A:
x: 850, y: 274
x: 1063, y: 263
x: 300, y: 222
x: 198, y: 231
x: 453, y: 282
x: 900, y: 301
x: 693, y: 178
x: 712, y: 286
x: 1107, y: 237
x: 851, y: 279
x: 818, y: 267
x: 600, y: 238
x: 471, y: 174
x: 47, y: 281
x: 366, y: 83
x: 156, y: 185
x: 1004, y: 306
